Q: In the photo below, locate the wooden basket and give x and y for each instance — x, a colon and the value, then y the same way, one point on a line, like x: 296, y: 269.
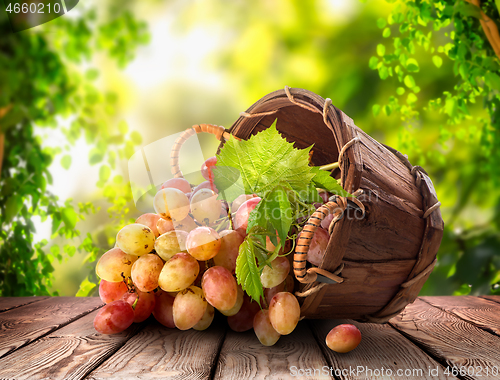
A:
x: 376, y: 264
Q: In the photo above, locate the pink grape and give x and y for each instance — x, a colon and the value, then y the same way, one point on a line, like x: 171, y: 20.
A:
x: 229, y: 249
x: 284, y: 312
x: 146, y: 271
x: 187, y: 224
x: 203, y: 243
x: 144, y: 306
x: 177, y: 183
x: 325, y: 223
x: 114, y: 317
x: 114, y: 265
x: 243, y: 319
x: 205, y: 185
x: 164, y: 226
x: 163, y: 310
x: 237, y: 306
x: 243, y: 213
x: 285, y: 286
x: 220, y: 288
x: 206, y: 320
x: 239, y: 201
x: 263, y: 328
x: 171, y: 204
x: 276, y: 274
x: 206, y: 168
x: 170, y: 243
x: 343, y: 338
x: 324, y: 195
x: 189, y: 307
x: 150, y: 220
x: 318, y: 245
x: 179, y: 272
x: 112, y: 291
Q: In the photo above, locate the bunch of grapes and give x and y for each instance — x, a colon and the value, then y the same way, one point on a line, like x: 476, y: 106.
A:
x: 179, y: 265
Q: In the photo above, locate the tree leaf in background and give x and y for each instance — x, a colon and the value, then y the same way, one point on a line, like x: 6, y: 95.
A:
x: 66, y: 161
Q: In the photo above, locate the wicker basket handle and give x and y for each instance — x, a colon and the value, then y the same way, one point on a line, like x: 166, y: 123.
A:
x: 219, y: 132
x: 336, y: 206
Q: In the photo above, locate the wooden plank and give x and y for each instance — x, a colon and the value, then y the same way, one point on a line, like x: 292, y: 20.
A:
x: 480, y: 312
x: 382, y: 353
x: 23, y: 325
x: 450, y: 340
x: 158, y: 352
x: 7, y: 303
x: 244, y: 357
x: 492, y: 298
x: 68, y: 353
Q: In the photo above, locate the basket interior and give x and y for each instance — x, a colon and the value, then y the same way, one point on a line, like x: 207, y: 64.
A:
x: 304, y: 128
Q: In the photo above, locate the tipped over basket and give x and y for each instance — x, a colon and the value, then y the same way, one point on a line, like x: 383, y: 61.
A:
x: 381, y: 250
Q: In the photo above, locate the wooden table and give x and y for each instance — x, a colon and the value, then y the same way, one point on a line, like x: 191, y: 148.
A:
x: 434, y: 338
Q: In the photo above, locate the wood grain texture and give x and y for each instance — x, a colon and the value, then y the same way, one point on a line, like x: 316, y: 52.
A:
x: 450, y: 340
x: 367, y: 287
x: 382, y: 348
x: 480, y: 312
x: 492, y: 298
x: 158, y: 352
x: 68, y: 353
x: 22, y: 325
x: 244, y: 357
x: 7, y: 303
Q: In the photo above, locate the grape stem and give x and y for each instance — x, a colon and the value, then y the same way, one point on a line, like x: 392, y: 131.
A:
x: 332, y: 166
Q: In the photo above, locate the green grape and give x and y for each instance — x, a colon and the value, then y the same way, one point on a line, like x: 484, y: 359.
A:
x: 171, y: 204
x: 115, y: 265
x: 171, y: 243
x: 136, y: 239
x: 189, y: 307
x: 205, y: 206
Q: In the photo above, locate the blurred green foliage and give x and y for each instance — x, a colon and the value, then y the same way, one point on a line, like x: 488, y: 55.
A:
x: 40, y: 85
x: 417, y: 75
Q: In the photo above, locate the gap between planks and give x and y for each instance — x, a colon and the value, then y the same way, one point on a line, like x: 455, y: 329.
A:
x: 450, y: 340
x: 23, y: 325
x: 68, y: 353
x: 383, y: 353
x: 9, y: 303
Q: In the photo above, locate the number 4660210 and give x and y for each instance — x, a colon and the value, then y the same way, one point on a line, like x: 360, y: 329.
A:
x: 34, y: 8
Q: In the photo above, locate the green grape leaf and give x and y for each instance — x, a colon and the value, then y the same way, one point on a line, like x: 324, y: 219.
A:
x: 275, y: 212
x: 323, y: 180
x: 260, y: 163
x: 247, y: 272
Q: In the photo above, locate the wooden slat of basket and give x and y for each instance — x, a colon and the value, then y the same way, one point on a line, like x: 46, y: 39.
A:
x: 366, y: 286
